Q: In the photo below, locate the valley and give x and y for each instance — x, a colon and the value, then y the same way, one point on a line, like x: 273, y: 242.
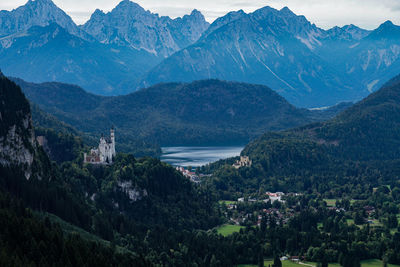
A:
x: 202, y: 113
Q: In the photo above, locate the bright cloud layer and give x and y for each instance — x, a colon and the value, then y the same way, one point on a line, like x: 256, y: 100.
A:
x: 324, y: 13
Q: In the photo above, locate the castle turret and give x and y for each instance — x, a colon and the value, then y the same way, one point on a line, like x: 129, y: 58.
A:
x: 112, y: 141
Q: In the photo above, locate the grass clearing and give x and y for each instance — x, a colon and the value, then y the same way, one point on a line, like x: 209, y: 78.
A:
x: 288, y: 263
x: 330, y: 202
x: 375, y: 263
x: 226, y: 202
x: 228, y: 229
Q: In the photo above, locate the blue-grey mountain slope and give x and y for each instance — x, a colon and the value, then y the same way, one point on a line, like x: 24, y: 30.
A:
x: 50, y: 53
x: 36, y: 13
x: 108, y: 55
x: 128, y: 24
x: 307, y: 65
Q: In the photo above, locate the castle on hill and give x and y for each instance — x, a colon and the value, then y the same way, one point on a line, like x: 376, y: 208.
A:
x: 105, y: 153
x: 243, y: 162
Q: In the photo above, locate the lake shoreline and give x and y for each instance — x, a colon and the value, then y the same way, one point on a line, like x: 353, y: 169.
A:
x: 196, y: 156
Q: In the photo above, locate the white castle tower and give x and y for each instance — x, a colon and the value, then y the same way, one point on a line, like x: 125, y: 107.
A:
x: 105, y: 153
x: 112, y: 135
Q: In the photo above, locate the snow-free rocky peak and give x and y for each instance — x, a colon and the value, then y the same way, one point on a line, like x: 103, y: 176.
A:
x: 386, y: 31
x: 347, y: 33
x: 129, y: 24
x: 35, y: 13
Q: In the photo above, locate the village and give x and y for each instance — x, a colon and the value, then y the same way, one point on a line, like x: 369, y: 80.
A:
x: 278, y: 208
x: 193, y: 176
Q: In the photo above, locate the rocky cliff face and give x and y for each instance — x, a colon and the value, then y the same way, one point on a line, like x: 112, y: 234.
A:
x: 17, y: 140
x: 129, y: 24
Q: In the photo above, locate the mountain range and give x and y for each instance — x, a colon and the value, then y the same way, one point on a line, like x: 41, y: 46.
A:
x: 106, y: 56
x: 129, y: 48
x: 307, y: 65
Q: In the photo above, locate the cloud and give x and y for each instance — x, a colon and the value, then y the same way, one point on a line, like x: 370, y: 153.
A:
x: 324, y: 13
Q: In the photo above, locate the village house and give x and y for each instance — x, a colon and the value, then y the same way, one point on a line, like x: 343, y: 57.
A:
x: 275, y: 196
x: 188, y: 174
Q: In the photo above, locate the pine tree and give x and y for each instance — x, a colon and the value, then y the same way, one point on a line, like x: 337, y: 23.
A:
x: 277, y: 261
x: 261, y: 258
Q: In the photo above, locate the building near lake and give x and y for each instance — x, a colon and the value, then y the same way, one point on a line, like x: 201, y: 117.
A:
x: 188, y: 174
x: 104, y: 153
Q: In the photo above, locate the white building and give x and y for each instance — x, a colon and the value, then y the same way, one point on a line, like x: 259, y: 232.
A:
x: 105, y: 153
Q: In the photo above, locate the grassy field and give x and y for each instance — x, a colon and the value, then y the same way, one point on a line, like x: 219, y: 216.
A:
x: 375, y: 263
x: 228, y: 229
x: 270, y: 262
x: 226, y: 202
x: 366, y: 263
x: 375, y: 223
x: 331, y: 202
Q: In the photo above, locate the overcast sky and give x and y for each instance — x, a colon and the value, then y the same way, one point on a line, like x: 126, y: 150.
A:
x: 324, y: 13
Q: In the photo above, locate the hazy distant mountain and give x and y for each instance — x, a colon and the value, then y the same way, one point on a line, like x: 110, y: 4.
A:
x: 51, y: 53
x: 307, y: 65
x: 39, y: 42
x: 375, y: 59
x: 129, y: 24
x: 368, y: 58
x: 347, y: 33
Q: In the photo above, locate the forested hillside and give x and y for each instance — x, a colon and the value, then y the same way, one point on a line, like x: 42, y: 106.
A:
x: 146, y: 210
x: 202, y: 112
x: 358, y: 146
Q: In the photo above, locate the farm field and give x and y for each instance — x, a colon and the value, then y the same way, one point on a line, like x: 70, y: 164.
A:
x: 287, y: 263
x: 228, y: 229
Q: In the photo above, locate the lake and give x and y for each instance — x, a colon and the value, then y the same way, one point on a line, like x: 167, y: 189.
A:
x: 196, y: 156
